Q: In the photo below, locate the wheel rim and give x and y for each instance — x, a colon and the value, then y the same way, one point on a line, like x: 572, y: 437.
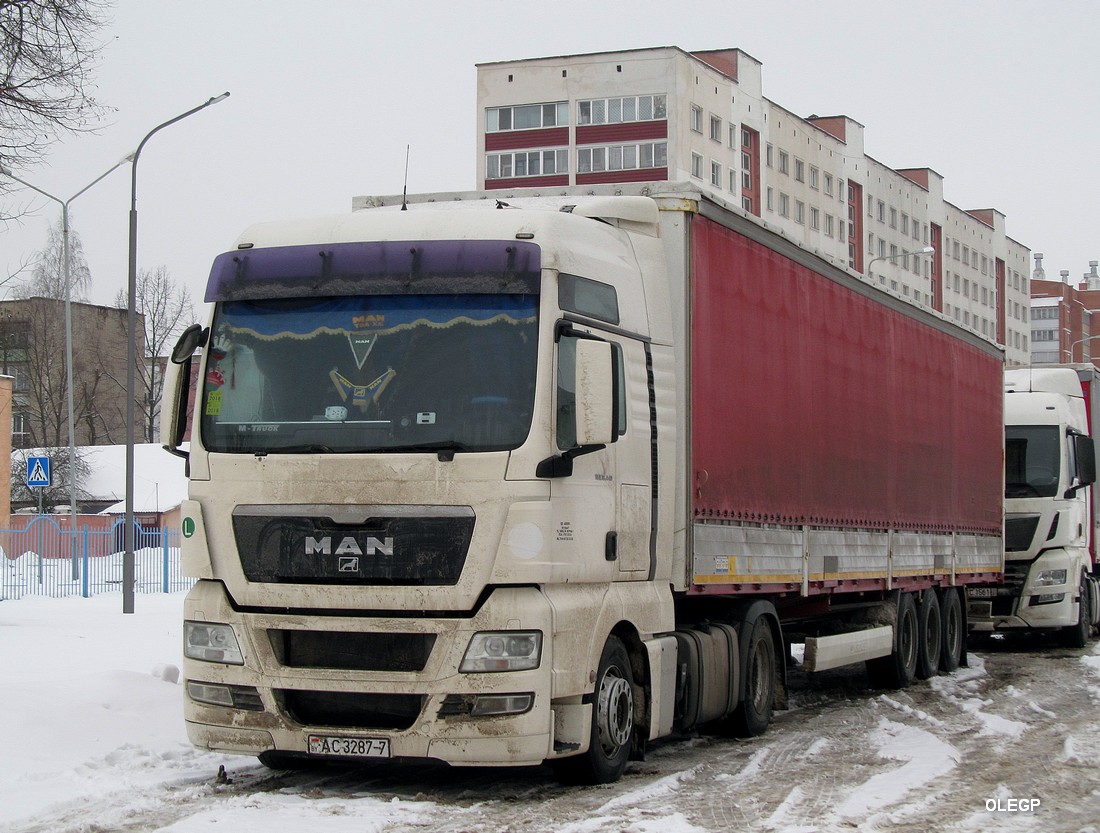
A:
x: 761, y: 676
x: 907, y: 642
x: 953, y: 630
x: 614, y: 712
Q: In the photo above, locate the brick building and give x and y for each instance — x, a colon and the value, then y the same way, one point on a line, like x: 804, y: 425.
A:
x: 32, y: 352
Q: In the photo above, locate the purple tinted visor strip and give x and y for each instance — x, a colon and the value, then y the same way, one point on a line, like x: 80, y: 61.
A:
x: 376, y: 268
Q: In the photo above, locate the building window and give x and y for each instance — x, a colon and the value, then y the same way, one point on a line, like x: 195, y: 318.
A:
x: 829, y: 225
x: 893, y: 218
x: 716, y: 174
x: 799, y: 211
x: 696, y: 119
x: 799, y: 170
x: 697, y: 166
x: 881, y: 211
x: 815, y: 222
x: 784, y: 162
x: 768, y: 156
x: 784, y: 205
x: 622, y: 157
x: 526, y: 117
x: 716, y: 128
x: 526, y: 163
x: 814, y: 173
x: 769, y: 196
x: 733, y: 136
x: 829, y: 184
x: 624, y: 109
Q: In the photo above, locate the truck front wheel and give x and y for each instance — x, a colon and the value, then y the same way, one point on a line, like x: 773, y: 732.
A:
x: 1077, y: 636
x: 612, y: 723
x: 754, y: 713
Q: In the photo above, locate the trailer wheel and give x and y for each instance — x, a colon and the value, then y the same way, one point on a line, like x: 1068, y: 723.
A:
x: 754, y: 713
x: 1077, y: 636
x: 612, y: 723
x: 898, y: 669
x: 930, y: 629
x: 953, y: 638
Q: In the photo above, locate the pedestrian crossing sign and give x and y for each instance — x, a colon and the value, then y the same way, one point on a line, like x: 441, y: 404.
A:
x: 38, y: 471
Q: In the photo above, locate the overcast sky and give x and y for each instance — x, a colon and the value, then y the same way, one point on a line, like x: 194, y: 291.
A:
x: 1001, y: 98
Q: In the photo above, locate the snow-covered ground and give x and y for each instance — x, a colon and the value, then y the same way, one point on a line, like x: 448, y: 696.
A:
x: 91, y: 739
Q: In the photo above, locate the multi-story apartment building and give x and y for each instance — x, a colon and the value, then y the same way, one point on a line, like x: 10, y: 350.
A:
x: 663, y: 114
x: 32, y: 353
x: 1065, y: 317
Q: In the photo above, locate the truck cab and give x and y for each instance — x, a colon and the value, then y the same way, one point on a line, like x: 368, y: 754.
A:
x: 1049, y: 514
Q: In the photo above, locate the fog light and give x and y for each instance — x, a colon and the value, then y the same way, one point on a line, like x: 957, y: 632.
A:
x: 488, y: 704
x: 485, y: 705
x: 1047, y: 598
x: 229, y: 696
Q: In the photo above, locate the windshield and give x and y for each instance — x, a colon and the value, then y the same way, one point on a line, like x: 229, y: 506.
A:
x: 1032, y: 460
x: 371, y: 373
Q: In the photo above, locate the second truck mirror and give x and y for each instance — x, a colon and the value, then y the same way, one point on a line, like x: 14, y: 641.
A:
x: 1086, y: 459
x: 595, y: 411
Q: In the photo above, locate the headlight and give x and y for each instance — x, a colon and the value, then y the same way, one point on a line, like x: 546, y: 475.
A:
x: 1049, y: 578
x: 211, y: 643
x: 502, y: 651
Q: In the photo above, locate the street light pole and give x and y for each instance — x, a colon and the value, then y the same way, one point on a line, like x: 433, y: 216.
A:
x: 927, y: 250
x: 131, y: 359
x: 65, y: 268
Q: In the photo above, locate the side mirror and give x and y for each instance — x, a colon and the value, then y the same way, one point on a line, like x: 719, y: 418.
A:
x: 1085, y: 449
x: 189, y: 341
x: 177, y: 384
x: 595, y: 415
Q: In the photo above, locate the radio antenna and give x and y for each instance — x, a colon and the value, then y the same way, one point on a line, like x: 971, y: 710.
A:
x: 405, y: 187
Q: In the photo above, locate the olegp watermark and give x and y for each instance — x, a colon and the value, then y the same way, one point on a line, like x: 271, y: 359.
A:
x: 1012, y: 805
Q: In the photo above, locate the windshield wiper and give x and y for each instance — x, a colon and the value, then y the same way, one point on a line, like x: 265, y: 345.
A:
x: 304, y: 448
x: 446, y: 448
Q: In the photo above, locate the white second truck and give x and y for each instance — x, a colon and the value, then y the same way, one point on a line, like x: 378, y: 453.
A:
x: 1050, y: 506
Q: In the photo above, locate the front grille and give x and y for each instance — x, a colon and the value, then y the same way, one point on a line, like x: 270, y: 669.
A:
x: 423, y: 548
x: 352, y: 651
x: 1016, y: 573
x: 1020, y: 532
x: 351, y: 710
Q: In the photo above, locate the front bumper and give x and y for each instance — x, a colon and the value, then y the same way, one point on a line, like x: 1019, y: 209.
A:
x: 424, y: 713
x: 1029, y: 606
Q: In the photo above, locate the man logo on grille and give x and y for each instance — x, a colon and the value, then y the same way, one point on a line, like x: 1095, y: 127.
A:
x: 349, y: 546
x: 348, y: 564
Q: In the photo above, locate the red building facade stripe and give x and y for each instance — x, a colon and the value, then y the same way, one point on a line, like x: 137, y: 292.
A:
x: 613, y: 134
x: 526, y: 182
x: 543, y: 138
x: 633, y: 175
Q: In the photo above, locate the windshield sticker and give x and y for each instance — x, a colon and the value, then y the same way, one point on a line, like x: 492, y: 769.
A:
x: 361, y: 345
x: 214, y: 403
x: 361, y: 395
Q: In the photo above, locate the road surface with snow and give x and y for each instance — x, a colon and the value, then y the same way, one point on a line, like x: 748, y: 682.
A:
x: 92, y: 741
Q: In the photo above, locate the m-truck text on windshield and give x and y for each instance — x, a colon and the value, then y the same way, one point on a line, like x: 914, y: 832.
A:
x: 527, y: 479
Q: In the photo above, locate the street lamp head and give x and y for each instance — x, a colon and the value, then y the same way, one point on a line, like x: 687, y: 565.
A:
x: 927, y: 250
x: 218, y: 98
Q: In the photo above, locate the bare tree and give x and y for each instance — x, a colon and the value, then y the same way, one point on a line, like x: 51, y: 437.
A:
x: 47, y: 53
x: 46, y: 277
x: 168, y: 310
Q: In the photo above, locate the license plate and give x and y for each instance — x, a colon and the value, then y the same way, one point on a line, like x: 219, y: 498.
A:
x: 984, y: 592
x: 348, y: 747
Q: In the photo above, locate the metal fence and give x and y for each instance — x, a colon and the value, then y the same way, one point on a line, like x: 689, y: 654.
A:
x: 47, y: 560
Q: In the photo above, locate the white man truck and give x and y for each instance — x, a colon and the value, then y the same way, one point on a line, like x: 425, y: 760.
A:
x: 1050, y: 580
x: 510, y: 479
